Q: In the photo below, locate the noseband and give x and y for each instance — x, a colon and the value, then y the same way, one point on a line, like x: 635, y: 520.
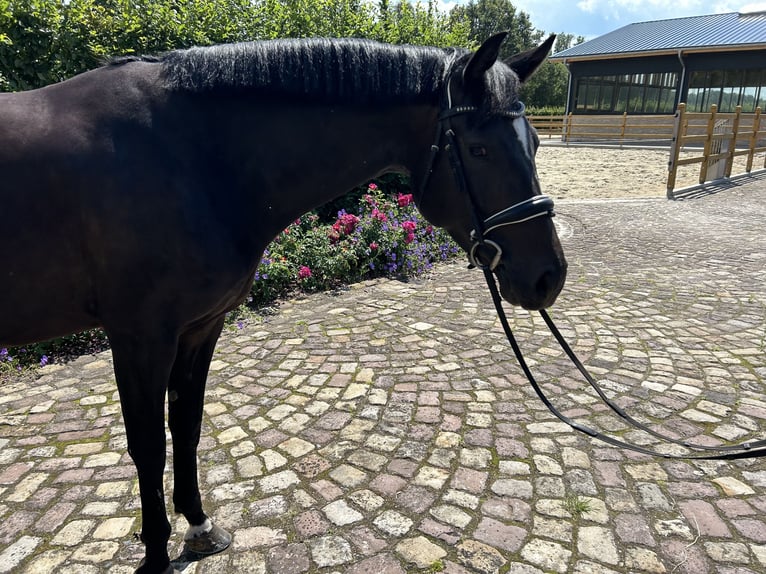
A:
x: 531, y: 208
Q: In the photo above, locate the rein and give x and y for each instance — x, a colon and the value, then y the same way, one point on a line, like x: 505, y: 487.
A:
x: 724, y: 452
x: 542, y: 206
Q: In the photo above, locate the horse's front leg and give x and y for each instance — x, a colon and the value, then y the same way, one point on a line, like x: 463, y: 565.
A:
x: 142, y: 367
x: 186, y: 399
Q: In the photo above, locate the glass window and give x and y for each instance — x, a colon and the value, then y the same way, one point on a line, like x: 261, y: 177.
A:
x: 582, y: 88
x: 667, y: 101
x: 632, y: 93
x: 591, y: 96
x: 730, y: 91
x: 605, y: 105
x: 651, y: 99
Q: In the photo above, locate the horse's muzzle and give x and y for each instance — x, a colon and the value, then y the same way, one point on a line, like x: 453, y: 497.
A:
x: 532, y: 291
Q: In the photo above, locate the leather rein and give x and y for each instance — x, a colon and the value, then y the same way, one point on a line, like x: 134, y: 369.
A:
x: 542, y: 206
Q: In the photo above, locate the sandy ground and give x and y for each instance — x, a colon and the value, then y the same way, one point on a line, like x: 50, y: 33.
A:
x: 595, y: 173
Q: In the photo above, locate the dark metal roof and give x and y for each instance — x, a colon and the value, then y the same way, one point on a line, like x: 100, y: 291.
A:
x: 700, y: 33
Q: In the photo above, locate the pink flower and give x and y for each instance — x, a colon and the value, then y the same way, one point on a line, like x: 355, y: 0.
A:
x: 404, y: 199
x: 346, y: 222
x: 379, y: 215
x: 409, y: 231
x: 373, y: 246
x: 372, y: 186
x: 304, y: 272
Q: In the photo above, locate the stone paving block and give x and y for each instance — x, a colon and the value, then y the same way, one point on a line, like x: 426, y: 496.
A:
x: 13, y: 555
x: 340, y: 513
x: 598, y: 543
x: 46, y: 562
x: 96, y: 552
x: 73, y: 533
x: 420, y: 552
x: 550, y: 556
x: 498, y: 535
x: 290, y: 559
x: 330, y: 551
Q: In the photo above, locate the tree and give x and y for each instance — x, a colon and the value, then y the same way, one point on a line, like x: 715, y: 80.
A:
x: 565, y: 41
x: 28, y: 34
x: 45, y: 41
x: 487, y: 17
x: 547, y: 87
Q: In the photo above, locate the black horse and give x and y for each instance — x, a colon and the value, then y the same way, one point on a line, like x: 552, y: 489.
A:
x: 140, y: 196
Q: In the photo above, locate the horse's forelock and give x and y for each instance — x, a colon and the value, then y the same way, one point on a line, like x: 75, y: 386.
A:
x: 502, y: 88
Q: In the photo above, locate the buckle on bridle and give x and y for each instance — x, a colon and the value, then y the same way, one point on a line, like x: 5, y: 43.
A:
x: 474, y: 262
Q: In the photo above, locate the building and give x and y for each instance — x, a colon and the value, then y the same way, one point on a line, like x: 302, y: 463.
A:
x: 649, y: 67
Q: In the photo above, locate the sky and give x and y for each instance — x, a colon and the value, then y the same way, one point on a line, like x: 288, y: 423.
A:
x: 592, y: 18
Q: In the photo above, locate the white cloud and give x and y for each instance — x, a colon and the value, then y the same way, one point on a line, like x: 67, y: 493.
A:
x: 753, y: 7
x: 587, y: 5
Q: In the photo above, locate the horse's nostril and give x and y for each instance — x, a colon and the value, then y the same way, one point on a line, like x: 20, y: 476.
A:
x: 549, y: 281
x: 544, y: 283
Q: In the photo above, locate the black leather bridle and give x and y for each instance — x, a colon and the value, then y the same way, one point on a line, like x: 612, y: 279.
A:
x: 531, y: 208
x: 528, y: 209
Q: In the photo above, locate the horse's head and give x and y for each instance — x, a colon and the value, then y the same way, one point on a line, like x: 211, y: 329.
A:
x: 481, y: 183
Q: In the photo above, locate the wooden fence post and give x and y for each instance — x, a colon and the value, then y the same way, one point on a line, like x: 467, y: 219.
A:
x: 675, y: 147
x: 733, y: 142
x: 753, y: 139
x: 623, y: 128
x: 568, y: 129
x: 708, y: 143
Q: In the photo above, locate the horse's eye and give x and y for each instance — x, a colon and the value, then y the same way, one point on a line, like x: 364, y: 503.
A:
x: 478, y: 151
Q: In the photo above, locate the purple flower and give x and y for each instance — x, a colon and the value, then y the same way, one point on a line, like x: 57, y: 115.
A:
x: 43, y: 360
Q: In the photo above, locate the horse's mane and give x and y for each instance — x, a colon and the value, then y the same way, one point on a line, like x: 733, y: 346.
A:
x: 346, y: 70
x: 321, y: 69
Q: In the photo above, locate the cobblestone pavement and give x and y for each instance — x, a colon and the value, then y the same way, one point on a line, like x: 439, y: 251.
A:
x: 387, y: 428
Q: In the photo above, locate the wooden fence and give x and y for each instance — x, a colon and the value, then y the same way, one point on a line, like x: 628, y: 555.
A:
x: 714, y: 139
x: 711, y: 139
x: 609, y: 129
x: 550, y: 126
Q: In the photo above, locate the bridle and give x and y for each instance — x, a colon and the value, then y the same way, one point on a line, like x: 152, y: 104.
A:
x: 526, y: 210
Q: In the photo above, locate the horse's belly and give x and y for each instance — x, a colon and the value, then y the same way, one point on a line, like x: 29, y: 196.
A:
x: 45, y: 290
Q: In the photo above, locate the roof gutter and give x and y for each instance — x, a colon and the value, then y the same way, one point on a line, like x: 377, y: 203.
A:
x: 683, y: 77
x: 672, y: 52
x: 569, y: 87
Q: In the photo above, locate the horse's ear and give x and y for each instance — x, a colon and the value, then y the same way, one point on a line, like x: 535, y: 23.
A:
x: 526, y: 63
x: 482, y: 60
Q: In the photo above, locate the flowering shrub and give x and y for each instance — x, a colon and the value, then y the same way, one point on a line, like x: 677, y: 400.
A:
x: 385, y: 237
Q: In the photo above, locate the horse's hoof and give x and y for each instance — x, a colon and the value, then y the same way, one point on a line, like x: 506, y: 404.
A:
x: 212, y: 542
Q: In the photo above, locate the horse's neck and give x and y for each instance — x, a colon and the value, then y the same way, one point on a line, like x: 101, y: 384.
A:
x: 313, y: 154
